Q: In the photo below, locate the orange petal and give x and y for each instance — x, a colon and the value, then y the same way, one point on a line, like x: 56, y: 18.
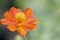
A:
x: 9, y: 16
x: 28, y: 13
x: 3, y: 22
x: 34, y: 21
x: 22, y: 31
x: 19, y: 10
x: 31, y: 26
x: 14, y: 10
x: 11, y: 28
x: 7, y: 22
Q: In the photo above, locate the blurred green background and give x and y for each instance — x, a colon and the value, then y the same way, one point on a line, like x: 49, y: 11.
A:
x: 47, y: 11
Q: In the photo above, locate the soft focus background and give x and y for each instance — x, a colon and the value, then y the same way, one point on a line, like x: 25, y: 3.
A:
x: 47, y: 11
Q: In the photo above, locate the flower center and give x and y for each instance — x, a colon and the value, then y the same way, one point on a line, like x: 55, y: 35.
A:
x: 20, y: 17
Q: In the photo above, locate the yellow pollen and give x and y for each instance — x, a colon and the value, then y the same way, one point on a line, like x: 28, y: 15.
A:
x: 20, y: 17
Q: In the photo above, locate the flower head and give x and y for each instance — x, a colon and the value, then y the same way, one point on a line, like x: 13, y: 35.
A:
x: 19, y: 21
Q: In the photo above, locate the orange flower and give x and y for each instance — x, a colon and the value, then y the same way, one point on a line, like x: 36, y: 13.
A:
x: 15, y: 19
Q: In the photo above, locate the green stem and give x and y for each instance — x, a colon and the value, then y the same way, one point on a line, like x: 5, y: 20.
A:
x: 24, y: 37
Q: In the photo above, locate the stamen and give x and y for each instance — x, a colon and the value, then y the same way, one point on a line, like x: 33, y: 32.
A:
x: 20, y: 17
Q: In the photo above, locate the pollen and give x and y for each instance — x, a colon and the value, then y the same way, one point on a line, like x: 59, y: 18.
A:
x: 20, y: 17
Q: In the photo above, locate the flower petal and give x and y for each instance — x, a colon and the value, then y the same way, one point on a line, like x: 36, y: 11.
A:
x: 8, y: 16
x: 11, y: 28
x: 14, y: 10
x: 31, y: 26
x: 34, y: 21
x: 22, y: 31
x: 28, y: 13
x: 3, y: 22
x: 7, y: 22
